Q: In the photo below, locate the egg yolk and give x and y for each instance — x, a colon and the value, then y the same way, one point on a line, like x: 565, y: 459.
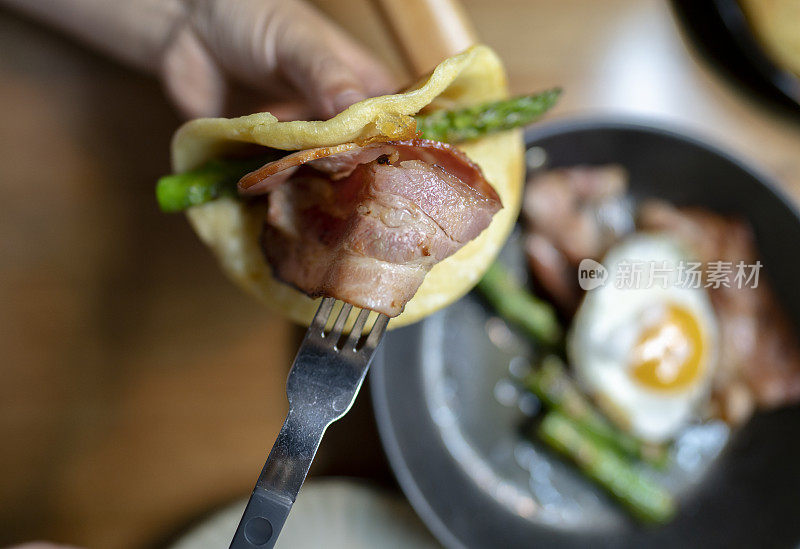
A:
x: 669, y: 353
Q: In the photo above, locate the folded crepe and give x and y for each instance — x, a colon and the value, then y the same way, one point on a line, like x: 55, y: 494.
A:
x: 233, y: 228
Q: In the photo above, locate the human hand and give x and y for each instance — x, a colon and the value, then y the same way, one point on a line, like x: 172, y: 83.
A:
x: 277, y: 55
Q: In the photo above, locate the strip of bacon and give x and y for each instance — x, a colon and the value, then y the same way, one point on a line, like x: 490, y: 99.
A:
x: 365, y: 224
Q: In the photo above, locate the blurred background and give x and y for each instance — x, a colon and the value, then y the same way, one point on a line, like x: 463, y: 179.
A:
x: 138, y: 388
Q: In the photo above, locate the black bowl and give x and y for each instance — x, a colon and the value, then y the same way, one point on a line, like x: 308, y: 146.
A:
x: 720, y: 31
x: 452, y: 443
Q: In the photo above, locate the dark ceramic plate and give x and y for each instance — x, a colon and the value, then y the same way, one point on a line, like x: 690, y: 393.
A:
x: 452, y: 422
x: 720, y: 31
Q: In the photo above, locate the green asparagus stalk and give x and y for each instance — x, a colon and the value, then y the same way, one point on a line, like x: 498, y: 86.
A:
x: 645, y: 499
x: 212, y: 180
x: 517, y: 305
x: 452, y: 126
x: 552, y: 384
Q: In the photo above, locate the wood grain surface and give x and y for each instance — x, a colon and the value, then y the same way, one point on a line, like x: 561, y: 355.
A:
x: 138, y: 388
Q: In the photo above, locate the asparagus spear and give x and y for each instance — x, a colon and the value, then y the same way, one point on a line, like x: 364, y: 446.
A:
x: 452, y: 126
x: 645, y: 499
x: 551, y: 383
x: 213, y: 179
x: 517, y: 305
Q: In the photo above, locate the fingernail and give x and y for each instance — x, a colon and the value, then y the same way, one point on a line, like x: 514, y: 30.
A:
x: 344, y: 99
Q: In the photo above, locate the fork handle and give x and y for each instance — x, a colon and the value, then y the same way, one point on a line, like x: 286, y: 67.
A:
x: 262, y: 521
x: 279, y: 482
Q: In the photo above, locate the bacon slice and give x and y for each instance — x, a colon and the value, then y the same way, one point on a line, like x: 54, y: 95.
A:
x: 571, y: 214
x: 365, y: 224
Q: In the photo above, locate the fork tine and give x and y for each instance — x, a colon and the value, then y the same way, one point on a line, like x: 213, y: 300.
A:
x: 377, y: 331
x: 338, y: 326
x: 358, y: 327
x: 323, y: 312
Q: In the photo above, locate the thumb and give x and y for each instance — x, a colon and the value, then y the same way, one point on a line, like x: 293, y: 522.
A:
x: 312, y: 64
x: 328, y: 84
x: 284, y: 48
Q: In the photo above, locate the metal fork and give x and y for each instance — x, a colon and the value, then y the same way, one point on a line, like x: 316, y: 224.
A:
x: 322, y: 385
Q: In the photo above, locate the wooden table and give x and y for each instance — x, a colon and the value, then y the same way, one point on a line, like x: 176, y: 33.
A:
x: 138, y: 388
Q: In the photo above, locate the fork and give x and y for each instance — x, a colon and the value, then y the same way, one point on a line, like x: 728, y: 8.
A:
x: 322, y: 385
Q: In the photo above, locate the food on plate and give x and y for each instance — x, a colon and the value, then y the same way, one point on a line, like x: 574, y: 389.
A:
x: 646, y: 354
x: 556, y: 389
x: 775, y: 24
x: 759, y: 356
x: 571, y: 214
x: 662, y: 340
x: 517, y: 305
x: 645, y: 499
x: 758, y: 361
x: 385, y: 161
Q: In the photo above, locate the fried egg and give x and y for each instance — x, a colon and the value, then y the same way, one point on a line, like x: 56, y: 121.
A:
x: 644, y: 343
